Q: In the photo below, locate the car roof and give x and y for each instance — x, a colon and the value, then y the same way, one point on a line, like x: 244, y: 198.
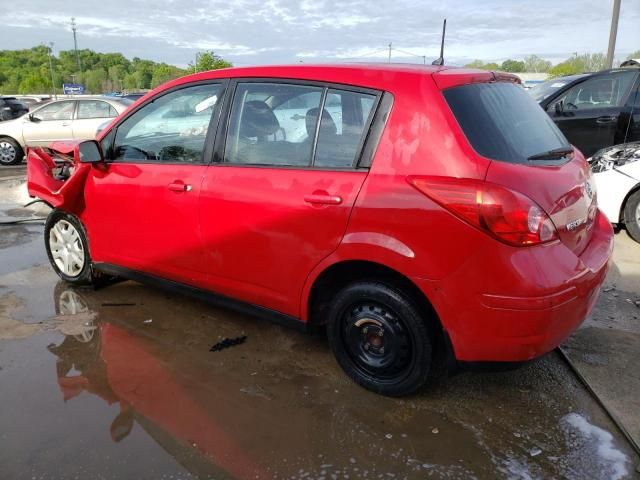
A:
x: 383, y: 76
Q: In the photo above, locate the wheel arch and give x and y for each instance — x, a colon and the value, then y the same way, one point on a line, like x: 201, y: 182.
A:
x: 623, y: 205
x: 337, y: 275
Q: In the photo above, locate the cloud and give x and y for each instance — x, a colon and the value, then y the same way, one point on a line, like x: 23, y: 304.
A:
x: 276, y: 31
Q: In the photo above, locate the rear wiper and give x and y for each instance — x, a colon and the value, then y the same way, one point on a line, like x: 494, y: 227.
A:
x: 552, y: 154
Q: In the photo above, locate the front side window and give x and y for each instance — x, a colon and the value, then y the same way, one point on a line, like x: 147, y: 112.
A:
x: 56, y: 111
x: 277, y: 124
x: 95, y: 109
x: 171, y: 128
x: 599, y: 91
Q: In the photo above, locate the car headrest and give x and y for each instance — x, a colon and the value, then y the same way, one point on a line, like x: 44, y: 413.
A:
x: 327, y: 125
x: 258, y: 120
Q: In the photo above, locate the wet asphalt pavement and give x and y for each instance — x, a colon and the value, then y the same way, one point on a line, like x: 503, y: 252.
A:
x: 120, y: 383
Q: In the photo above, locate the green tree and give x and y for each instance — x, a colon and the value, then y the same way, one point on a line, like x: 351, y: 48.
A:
x: 475, y: 64
x: 635, y: 54
x: 208, y: 60
x: 514, y: 66
x: 588, y: 62
x: 535, y: 64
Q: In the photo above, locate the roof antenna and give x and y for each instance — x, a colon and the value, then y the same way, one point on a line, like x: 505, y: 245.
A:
x: 440, y: 60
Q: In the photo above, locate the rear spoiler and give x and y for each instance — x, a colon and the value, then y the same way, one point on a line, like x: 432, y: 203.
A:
x: 455, y: 77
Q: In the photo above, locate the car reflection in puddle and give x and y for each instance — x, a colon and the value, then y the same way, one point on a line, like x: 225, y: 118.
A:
x: 219, y: 413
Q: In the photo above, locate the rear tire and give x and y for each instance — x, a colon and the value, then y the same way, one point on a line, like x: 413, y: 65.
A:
x: 11, y: 152
x: 632, y: 216
x: 67, y: 248
x: 380, y: 339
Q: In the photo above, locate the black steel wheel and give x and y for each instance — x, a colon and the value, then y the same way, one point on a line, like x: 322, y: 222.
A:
x: 380, y: 339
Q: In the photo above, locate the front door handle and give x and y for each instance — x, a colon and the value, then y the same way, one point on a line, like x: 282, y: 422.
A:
x: 65, y: 124
x: 179, y: 187
x: 323, y: 199
x: 606, y: 119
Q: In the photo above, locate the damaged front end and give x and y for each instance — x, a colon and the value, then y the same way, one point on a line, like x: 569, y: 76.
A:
x: 613, y: 157
x: 56, y: 176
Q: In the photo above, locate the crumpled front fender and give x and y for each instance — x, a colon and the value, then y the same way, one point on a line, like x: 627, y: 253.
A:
x: 43, y: 183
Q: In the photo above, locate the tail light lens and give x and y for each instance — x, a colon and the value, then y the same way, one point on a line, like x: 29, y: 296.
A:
x: 507, y: 215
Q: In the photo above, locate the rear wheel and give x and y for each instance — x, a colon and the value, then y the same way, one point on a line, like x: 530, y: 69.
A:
x: 11, y: 152
x: 632, y: 215
x: 67, y: 248
x: 380, y: 339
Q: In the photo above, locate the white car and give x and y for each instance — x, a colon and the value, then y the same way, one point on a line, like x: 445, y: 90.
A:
x: 616, y: 171
x: 65, y: 119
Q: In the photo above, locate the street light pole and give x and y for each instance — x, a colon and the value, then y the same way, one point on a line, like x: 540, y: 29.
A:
x: 75, y: 43
x: 53, y: 81
x: 613, y: 34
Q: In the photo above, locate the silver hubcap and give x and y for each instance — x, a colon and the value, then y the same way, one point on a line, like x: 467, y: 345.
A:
x: 638, y: 214
x: 66, y: 248
x: 7, y: 152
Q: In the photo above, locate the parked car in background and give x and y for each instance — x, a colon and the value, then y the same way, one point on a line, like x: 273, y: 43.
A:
x: 33, y: 101
x: 616, y: 171
x: 594, y: 110
x: 11, y: 107
x: 133, y: 96
x: 66, y: 119
x: 423, y: 214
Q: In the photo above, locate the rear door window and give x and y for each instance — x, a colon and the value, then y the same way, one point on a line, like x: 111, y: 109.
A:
x: 272, y: 124
x: 95, y: 109
x: 502, y: 122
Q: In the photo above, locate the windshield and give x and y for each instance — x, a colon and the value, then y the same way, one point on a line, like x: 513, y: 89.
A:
x: 502, y: 122
x: 544, y: 90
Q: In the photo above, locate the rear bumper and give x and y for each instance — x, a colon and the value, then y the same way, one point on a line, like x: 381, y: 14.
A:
x: 492, y: 318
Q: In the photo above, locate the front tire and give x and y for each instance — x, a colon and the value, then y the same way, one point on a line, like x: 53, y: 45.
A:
x: 67, y: 248
x: 11, y: 152
x: 632, y: 216
x: 380, y: 339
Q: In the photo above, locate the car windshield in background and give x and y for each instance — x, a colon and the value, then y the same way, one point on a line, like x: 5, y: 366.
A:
x: 502, y: 122
x: 544, y: 90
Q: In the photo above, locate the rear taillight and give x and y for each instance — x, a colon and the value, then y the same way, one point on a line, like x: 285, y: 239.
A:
x: 509, y: 216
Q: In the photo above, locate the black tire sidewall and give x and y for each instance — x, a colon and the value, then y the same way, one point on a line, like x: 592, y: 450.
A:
x: 85, y: 276
x: 417, y: 373
x: 630, y: 220
x: 17, y: 148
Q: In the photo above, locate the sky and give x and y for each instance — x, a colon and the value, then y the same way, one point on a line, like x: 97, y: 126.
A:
x: 250, y: 32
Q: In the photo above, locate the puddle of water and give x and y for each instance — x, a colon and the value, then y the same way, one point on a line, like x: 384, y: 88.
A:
x: 132, y: 391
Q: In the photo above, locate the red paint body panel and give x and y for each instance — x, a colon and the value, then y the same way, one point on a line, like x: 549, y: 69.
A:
x: 261, y: 238
x: 260, y: 235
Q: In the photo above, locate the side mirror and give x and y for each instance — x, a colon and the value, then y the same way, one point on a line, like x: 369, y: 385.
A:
x: 89, y: 151
x: 33, y: 118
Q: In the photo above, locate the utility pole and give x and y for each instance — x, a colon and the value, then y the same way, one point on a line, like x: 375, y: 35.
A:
x: 613, y: 34
x: 53, y: 81
x: 389, y: 52
x: 75, y: 42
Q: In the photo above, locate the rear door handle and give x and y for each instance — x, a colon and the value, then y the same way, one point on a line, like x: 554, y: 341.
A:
x: 65, y: 124
x: 179, y: 187
x: 606, y: 119
x: 323, y: 199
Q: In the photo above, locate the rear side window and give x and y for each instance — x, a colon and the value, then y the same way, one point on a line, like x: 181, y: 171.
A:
x: 502, y: 122
x: 344, y: 118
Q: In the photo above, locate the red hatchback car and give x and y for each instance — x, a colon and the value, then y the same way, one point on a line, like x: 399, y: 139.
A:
x: 420, y: 213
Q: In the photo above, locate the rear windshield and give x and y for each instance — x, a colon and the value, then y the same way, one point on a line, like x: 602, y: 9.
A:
x: 502, y: 122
